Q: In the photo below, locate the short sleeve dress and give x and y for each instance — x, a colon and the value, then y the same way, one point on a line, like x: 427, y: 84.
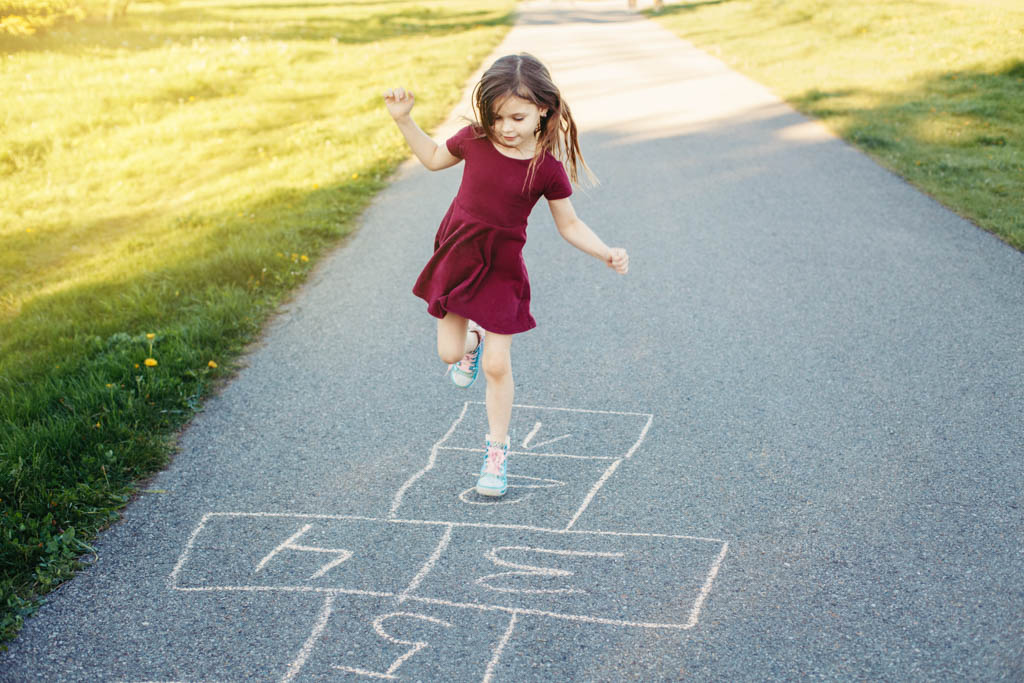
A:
x: 477, y: 270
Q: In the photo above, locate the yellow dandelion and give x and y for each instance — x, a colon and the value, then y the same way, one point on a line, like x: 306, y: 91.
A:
x: 150, y: 335
x: 110, y: 386
x: 304, y: 258
x: 212, y: 365
x: 150, y: 363
x: 355, y: 176
x: 316, y: 186
x: 136, y: 366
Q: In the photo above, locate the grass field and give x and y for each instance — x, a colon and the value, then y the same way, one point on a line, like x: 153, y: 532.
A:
x: 932, y: 89
x: 166, y: 180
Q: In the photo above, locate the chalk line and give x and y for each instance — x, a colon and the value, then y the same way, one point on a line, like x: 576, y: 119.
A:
x: 428, y: 522
x: 431, y: 461
x: 706, y: 588
x: 593, y: 492
x: 493, y: 664
x: 307, y: 647
x: 428, y: 565
x: 539, y: 455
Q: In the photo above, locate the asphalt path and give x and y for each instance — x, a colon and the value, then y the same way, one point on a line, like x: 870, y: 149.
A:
x: 786, y: 446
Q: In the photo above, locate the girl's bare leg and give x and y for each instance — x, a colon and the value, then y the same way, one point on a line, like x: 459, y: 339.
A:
x: 452, y: 341
x: 497, y: 366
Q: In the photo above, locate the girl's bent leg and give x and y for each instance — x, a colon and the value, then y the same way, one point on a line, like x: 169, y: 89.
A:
x: 497, y: 365
x: 451, y: 338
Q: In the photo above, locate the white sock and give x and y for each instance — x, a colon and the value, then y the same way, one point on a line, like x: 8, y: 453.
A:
x: 472, y: 341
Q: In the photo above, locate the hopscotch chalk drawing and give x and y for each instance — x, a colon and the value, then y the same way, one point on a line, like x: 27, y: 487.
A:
x: 471, y: 570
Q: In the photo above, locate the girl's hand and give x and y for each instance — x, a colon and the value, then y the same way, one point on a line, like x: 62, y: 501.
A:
x: 618, y: 260
x: 399, y: 102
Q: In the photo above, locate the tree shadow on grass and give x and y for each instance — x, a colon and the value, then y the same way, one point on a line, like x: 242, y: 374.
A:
x: 679, y: 8
x: 957, y: 135
x: 141, y: 33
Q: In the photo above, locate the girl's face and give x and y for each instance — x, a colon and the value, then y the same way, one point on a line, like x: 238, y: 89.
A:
x: 516, y: 121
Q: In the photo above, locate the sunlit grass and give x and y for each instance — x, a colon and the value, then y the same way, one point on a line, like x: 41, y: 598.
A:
x: 176, y: 174
x: 932, y: 90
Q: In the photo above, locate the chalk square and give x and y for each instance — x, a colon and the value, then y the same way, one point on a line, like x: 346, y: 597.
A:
x: 556, y: 431
x: 618, y: 579
x: 366, y: 638
x: 542, y: 491
x: 304, y: 553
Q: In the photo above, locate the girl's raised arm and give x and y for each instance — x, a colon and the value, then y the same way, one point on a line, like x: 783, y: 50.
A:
x: 432, y: 155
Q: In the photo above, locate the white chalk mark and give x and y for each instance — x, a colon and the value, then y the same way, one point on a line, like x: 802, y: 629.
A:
x: 378, y: 626
x: 578, y: 618
x: 545, y: 443
x: 330, y: 565
x: 538, y: 455
x: 706, y: 588
x: 504, y: 500
x: 570, y: 410
x: 427, y: 566
x: 593, y: 492
x: 172, y: 580
x: 287, y: 589
x: 287, y: 543
x: 531, y: 570
x: 643, y: 435
x: 363, y: 672
x: 507, y: 500
x: 483, y: 607
x: 533, y: 433
x: 493, y: 664
x: 479, y: 525
x: 431, y: 461
x: 307, y: 647
x: 290, y: 544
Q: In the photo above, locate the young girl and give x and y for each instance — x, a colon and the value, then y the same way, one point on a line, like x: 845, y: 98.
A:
x: 476, y: 282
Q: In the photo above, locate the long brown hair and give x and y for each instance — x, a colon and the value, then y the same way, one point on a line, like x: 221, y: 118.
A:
x: 524, y: 76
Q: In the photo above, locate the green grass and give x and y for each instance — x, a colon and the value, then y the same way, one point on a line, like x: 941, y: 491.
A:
x: 932, y: 89
x: 176, y: 174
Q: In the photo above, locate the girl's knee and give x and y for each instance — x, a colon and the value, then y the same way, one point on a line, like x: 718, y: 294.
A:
x: 450, y: 354
x: 496, y: 367
x: 451, y: 338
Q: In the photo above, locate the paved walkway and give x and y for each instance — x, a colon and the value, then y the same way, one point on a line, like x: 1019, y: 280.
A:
x: 786, y: 446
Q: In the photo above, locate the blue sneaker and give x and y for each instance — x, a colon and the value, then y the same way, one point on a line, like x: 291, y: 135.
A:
x: 493, y: 479
x: 464, y: 372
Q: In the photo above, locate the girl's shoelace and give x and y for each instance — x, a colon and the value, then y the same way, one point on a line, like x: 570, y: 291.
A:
x: 495, y: 459
x: 466, y: 364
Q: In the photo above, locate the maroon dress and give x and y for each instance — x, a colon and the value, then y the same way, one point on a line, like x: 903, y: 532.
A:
x: 477, y: 270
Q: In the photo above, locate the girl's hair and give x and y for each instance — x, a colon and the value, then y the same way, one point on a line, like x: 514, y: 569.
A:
x: 525, y: 77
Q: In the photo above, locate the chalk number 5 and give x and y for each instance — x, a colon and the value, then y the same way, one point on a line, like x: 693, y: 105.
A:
x: 414, y: 646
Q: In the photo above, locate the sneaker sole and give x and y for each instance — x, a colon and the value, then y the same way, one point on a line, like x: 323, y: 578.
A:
x: 461, y: 386
x: 492, y: 493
